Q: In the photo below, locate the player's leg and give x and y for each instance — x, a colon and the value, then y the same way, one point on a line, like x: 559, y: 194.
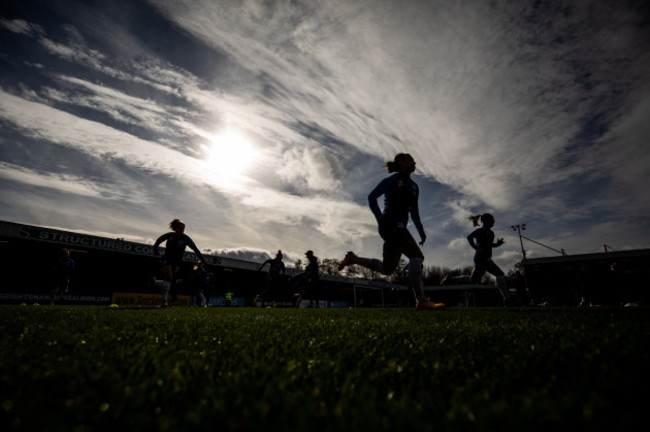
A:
x: 390, y: 259
x: 480, y: 267
x: 166, y: 284
x: 415, y: 267
x: 502, y: 284
x: 476, y: 275
x: 391, y: 255
x: 268, y: 296
x: 411, y: 249
x: 296, y: 284
x: 370, y: 263
x: 416, y: 281
x: 66, y: 285
x: 54, y: 294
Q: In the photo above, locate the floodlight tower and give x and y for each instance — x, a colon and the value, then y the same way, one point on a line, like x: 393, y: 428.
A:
x: 519, y: 229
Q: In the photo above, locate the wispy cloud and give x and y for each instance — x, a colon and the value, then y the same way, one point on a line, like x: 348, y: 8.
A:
x: 489, y: 112
x: 20, y: 26
x: 70, y: 184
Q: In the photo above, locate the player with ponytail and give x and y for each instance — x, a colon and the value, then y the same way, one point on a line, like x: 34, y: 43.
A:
x: 400, y: 200
x: 482, y: 241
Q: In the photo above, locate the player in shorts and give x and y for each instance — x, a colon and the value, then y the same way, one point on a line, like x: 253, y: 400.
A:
x: 176, y: 242
x: 482, y: 241
x: 400, y: 201
x: 63, y: 270
x: 277, y: 270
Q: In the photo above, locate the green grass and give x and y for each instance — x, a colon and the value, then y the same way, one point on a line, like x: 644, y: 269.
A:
x: 95, y: 368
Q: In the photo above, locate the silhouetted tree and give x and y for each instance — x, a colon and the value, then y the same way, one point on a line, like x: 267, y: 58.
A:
x: 329, y: 266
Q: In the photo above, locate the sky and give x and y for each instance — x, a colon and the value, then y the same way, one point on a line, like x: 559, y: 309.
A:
x: 265, y: 124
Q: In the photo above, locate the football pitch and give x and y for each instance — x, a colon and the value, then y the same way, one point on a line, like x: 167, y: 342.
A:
x: 88, y: 368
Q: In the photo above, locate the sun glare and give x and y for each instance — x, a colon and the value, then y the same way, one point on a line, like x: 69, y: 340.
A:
x: 229, y: 155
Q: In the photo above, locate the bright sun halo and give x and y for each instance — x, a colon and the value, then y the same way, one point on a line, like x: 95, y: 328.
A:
x: 229, y: 156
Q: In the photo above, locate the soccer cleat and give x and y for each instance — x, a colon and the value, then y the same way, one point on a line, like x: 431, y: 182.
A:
x: 349, y: 257
x: 428, y: 305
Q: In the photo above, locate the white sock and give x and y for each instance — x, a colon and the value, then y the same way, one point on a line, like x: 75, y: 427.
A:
x: 166, y: 286
x: 503, y: 287
x: 415, y: 278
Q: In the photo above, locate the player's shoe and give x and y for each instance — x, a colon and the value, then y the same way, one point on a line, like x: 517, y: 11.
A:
x: 427, y: 304
x: 349, y: 257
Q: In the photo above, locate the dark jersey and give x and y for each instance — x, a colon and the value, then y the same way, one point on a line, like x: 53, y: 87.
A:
x: 175, y: 247
x: 312, y: 269
x: 201, y: 278
x: 400, y: 199
x: 63, y: 270
x: 484, y: 238
x: 64, y: 267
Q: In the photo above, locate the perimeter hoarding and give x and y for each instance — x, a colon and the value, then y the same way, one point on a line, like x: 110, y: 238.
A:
x: 104, y: 266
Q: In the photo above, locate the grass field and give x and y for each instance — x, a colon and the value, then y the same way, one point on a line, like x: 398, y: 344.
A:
x: 80, y: 368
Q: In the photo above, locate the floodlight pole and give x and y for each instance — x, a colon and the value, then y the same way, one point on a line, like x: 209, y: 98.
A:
x: 519, y: 229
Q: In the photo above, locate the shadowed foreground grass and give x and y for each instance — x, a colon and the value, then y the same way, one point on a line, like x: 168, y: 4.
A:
x: 94, y: 368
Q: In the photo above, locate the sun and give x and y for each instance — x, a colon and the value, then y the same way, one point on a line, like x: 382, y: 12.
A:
x: 229, y: 155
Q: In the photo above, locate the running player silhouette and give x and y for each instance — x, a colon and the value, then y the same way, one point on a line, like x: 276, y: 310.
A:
x: 482, y: 241
x: 63, y: 270
x: 176, y: 242
x: 273, y: 278
x: 400, y: 200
